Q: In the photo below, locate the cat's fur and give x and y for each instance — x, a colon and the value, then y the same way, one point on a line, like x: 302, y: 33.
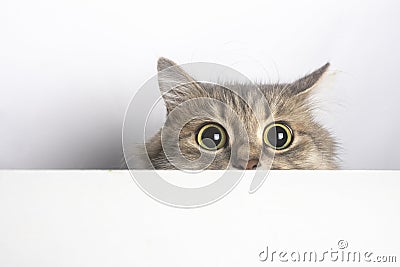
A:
x: 313, y: 146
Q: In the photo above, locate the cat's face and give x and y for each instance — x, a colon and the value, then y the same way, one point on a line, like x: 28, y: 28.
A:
x: 211, y: 126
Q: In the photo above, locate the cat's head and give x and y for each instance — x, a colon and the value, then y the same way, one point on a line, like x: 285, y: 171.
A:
x: 231, y: 126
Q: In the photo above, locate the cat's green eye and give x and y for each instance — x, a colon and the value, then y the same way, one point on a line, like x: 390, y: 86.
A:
x: 211, y: 136
x: 278, y: 135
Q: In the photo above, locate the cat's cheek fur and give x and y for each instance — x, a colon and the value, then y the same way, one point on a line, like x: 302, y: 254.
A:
x: 304, y: 154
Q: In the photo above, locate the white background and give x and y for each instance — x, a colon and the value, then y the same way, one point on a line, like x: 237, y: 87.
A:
x: 101, y: 218
x: 69, y: 68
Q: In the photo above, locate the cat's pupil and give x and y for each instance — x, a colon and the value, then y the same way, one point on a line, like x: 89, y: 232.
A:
x: 211, y: 137
x: 277, y: 136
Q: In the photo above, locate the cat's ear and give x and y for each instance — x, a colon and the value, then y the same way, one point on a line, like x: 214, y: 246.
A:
x: 176, y: 85
x: 310, y: 81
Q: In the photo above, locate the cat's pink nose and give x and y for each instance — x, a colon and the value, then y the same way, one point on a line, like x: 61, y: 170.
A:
x: 252, y: 164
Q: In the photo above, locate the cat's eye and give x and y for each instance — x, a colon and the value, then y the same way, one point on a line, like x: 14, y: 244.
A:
x: 278, y: 135
x: 212, y: 136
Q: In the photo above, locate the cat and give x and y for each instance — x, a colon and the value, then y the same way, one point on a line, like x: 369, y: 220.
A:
x: 219, y: 130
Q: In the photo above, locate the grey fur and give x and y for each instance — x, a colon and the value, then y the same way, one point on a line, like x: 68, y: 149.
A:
x: 313, y: 146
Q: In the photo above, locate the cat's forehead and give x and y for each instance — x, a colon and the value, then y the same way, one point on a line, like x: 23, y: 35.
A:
x: 238, y: 107
x: 246, y: 99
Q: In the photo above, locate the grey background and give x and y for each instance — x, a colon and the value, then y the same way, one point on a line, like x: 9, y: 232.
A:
x: 68, y: 69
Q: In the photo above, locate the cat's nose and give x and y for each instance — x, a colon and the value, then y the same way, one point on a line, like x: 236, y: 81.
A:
x: 252, y: 164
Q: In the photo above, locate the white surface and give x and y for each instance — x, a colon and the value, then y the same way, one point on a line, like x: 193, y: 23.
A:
x: 69, y: 68
x: 101, y: 218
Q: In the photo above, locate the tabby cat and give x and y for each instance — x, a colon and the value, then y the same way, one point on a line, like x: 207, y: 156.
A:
x: 221, y: 128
